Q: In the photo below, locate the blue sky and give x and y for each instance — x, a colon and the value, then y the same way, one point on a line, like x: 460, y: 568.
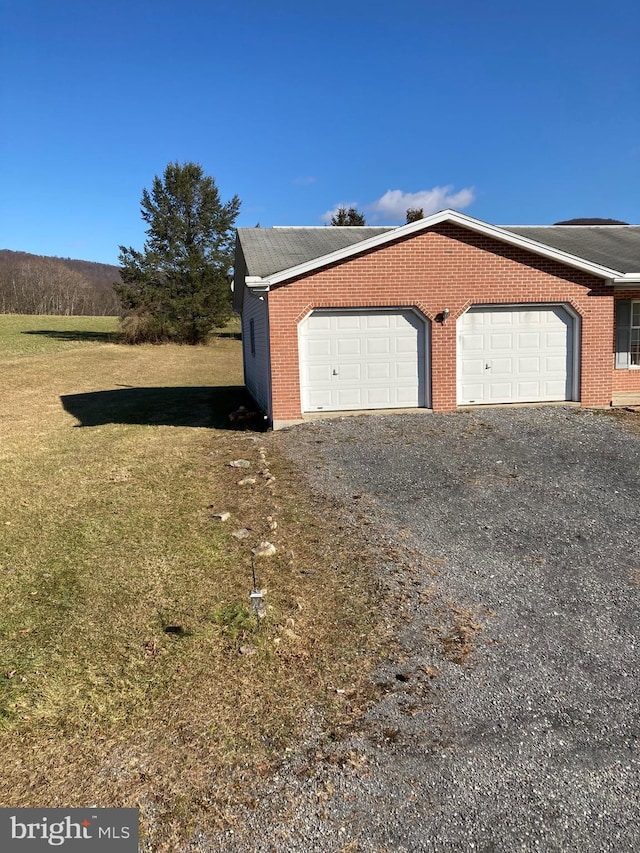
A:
x: 514, y: 113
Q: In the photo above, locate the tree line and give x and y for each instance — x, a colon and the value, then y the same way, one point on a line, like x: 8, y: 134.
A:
x: 37, y: 284
x: 352, y: 217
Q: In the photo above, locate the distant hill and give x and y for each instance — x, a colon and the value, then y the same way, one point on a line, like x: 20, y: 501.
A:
x: 39, y: 284
x: 595, y: 221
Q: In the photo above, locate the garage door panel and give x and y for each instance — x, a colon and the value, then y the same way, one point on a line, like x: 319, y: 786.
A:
x: 405, y: 345
x: 529, y: 389
x: 378, y: 370
x: 320, y: 398
x: 471, y: 320
x: 405, y: 396
x: 346, y: 322
x: 501, y: 341
x: 405, y: 371
x: 529, y: 341
x: 318, y: 348
x: 501, y: 391
x: 348, y: 346
x: 347, y: 398
x: 539, y: 364
x: 554, y: 364
x: 359, y: 360
x: 318, y: 323
x: 555, y: 340
x: 529, y: 365
x: 501, y: 366
x: 472, y: 391
x: 378, y: 346
x: 378, y: 398
x: 554, y: 390
x: 318, y: 373
x: 378, y: 321
x: 472, y: 342
x: 472, y: 368
x: 349, y: 372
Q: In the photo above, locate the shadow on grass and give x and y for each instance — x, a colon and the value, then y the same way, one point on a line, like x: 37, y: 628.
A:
x: 172, y: 406
x: 76, y: 335
x: 236, y: 336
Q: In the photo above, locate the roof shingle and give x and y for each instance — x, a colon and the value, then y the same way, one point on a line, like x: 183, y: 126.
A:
x: 270, y: 250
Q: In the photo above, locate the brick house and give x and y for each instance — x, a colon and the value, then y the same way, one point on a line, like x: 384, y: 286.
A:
x: 445, y: 312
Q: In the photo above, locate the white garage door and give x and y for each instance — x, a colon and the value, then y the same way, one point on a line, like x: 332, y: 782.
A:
x: 362, y: 360
x: 515, y: 355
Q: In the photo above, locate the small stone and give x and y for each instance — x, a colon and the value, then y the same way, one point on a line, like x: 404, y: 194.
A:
x: 240, y: 463
x: 241, y: 534
x: 247, y: 481
x: 264, y: 549
x: 291, y: 635
x: 273, y: 525
x: 247, y: 650
x: 221, y: 516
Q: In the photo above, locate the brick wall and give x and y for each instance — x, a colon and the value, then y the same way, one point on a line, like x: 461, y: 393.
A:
x: 444, y: 267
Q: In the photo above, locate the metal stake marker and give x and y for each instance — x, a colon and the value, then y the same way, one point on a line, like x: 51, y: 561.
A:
x: 256, y: 594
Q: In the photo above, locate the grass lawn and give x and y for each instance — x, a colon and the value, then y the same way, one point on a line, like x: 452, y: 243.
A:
x: 131, y: 671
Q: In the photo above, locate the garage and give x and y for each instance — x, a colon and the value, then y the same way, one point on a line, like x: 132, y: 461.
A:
x: 355, y: 359
x: 516, y: 354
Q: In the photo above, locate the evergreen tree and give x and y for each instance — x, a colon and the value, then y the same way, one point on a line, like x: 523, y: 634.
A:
x: 177, y: 288
x: 414, y: 214
x: 348, y: 217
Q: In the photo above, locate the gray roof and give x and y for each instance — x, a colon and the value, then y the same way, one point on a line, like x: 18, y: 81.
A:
x: 613, y: 246
x: 271, y: 250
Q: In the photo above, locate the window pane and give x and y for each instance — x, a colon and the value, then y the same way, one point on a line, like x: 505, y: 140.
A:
x: 635, y: 313
x: 635, y: 347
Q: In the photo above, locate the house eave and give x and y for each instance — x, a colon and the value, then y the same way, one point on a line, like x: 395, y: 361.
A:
x: 451, y: 216
x: 628, y: 280
x: 256, y: 284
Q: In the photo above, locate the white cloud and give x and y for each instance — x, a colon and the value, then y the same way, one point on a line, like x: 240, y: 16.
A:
x: 393, y: 205
x: 326, y: 217
x: 304, y: 181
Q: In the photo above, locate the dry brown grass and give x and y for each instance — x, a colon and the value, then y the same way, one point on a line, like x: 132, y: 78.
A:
x: 629, y: 417
x: 107, y: 540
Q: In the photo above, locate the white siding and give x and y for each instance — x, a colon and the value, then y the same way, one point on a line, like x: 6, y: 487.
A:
x: 255, y: 349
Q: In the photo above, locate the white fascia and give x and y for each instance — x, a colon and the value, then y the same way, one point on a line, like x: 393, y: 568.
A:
x: 453, y: 216
x: 256, y: 284
x: 629, y: 279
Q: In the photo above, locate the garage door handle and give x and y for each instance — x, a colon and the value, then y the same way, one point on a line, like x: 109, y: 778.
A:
x: 335, y: 372
x: 487, y: 367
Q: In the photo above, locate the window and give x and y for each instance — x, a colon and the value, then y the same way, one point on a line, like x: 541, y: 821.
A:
x: 635, y: 334
x: 627, y: 333
x: 252, y: 336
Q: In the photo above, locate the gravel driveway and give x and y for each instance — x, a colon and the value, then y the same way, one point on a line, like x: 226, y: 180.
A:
x: 509, y: 720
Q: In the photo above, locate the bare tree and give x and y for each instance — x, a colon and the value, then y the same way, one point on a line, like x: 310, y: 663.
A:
x: 34, y: 284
